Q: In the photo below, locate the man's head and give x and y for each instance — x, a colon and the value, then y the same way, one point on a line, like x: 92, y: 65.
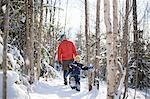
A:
x: 63, y: 37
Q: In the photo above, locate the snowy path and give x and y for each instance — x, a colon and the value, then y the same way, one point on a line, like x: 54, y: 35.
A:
x: 55, y: 89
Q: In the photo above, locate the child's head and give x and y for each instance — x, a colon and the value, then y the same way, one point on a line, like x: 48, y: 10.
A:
x: 77, y: 58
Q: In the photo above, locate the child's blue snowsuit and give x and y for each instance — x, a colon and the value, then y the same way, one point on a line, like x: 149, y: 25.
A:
x: 74, y: 74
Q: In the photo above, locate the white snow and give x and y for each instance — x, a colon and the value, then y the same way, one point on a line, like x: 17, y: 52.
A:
x: 12, y: 60
x: 54, y: 89
x: 1, y: 47
x: 15, y: 91
x: 1, y: 39
x: 1, y: 53
x: 4, y: 8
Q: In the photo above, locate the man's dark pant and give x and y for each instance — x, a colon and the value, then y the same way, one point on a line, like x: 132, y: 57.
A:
x: 65, y: 64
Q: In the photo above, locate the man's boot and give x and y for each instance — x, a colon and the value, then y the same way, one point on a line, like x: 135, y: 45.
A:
x: 65, y: 81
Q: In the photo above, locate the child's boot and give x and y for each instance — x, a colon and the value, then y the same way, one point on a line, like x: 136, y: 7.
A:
x: 77, y: 87
x: 72, y: 82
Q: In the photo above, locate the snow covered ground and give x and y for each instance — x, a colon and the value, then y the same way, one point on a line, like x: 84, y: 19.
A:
x: 54, y: 89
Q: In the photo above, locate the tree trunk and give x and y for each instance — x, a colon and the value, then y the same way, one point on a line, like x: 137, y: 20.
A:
x: 97, y: 59
x: 31, y: 40
x: 54, y: 35
x: 125, y: 48
x: 4, y: 63
x: 87, y: 45
x: 110, y: 78
x: 39, y: 41
x: 26, y: 46
x: 36, y: 31
x: 58, y: 21
x: 49, y: 36
x: 111, y: 46
x: 50, y: 21
x: 116, y: 73
x: 136, y: 42
x: 47, y: 2
x: 66, y: 16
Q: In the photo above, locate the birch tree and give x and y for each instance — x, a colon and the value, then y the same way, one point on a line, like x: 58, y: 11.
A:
x: 110, y: 79
x: 50, y: 25
x: 47, y: 2
x: 54, y: 35
x: 97, y: 59
x: 136, y: 41
x: 30, y: 37
x: 117, y: 82
x: 87, y: 45
x: 26, y: 50
x: 111, y: 46
x: 66, y: 16
x: 4, y: 63
x: 36, y: 31
x: 125, y: 47
x: 39, y: 41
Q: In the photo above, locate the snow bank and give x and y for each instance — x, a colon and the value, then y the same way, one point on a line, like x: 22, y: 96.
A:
x: 52, y: 73
x: 15, y: 91
x: 12, y: 77
x: 14, y: 56
x: 12, y: 60
x: 1, y: 53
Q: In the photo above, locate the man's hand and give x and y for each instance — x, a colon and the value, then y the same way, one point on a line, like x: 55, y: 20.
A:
x: 60, y: 62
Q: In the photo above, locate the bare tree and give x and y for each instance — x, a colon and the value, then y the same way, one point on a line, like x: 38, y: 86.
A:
x: 26, y: 67
x: 39, y: 41
x: 97, y: 59
x: 47, y: 2
x: 30, y: 37
x: 54, y: 34
x: 49, y: 37
x: 110, y: 90
x: 66, y: 16
x: 87, y: 44
x: 36, y: 31
x: 135, y: 28
x: 111, y: 47
x: 116, y: 81
x: 136, y: 41
x: 4, y: 63
x: 125, y: 47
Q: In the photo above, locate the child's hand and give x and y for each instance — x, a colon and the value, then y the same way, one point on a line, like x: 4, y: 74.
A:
x: 74, y: 65
x: 90, y: 68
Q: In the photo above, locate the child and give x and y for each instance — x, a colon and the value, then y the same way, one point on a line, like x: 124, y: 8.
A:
x: 74, y: 72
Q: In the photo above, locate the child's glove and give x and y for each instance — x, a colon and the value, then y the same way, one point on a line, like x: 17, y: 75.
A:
x: 74, y: 65
x: 90, y: 68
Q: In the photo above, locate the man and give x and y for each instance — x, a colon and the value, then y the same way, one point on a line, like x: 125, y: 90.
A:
x: 66, y: 54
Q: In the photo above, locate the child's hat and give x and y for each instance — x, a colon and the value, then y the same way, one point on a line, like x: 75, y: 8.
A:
x: 77, y: 57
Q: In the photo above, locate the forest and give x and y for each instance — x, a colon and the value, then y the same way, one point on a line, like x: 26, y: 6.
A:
x: 111, y: 35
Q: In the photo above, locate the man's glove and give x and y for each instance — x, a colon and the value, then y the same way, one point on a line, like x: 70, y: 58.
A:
x: 60, y: 62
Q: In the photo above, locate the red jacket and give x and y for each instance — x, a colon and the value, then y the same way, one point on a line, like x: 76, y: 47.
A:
x: 66, y: 51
